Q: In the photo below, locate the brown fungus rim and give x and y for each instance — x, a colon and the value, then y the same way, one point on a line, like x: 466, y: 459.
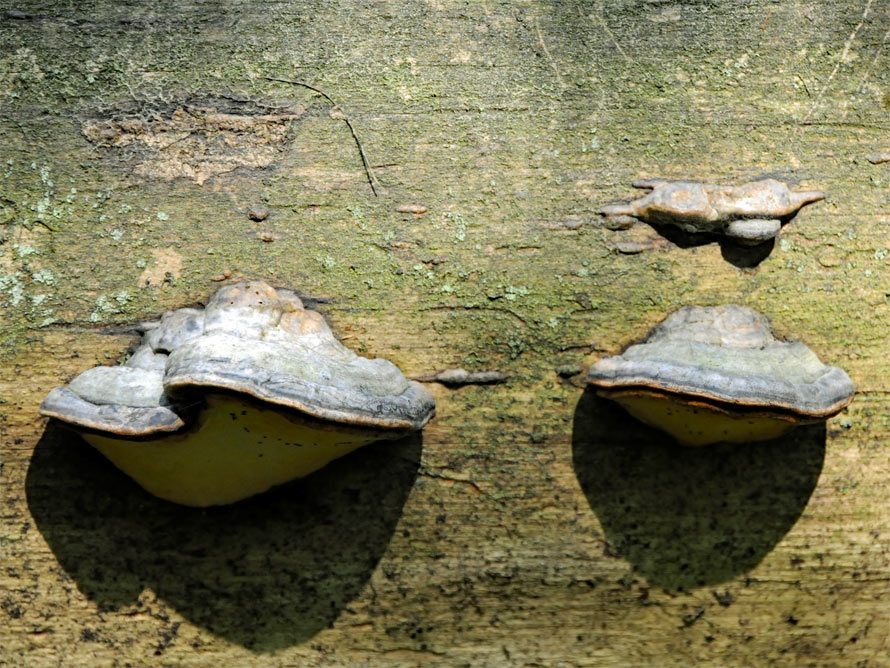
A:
x: 209, y: 383
x: 195, y: 404
x: 720, y: 403
x: 82, y: 422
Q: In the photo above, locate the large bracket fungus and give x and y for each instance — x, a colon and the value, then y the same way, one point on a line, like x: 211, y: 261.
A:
x: 712, y: 374
x: 221, y: 403
x: 751, y: 213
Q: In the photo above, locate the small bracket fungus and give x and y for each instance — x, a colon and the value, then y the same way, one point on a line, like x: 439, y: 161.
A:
x: 221, y: 403
x: 751, y: 213
x: 712, y: 374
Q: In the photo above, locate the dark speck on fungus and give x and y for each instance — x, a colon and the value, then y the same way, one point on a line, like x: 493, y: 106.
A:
x: 751, y: 213
x: 190, y: 414
x: 711, y: 374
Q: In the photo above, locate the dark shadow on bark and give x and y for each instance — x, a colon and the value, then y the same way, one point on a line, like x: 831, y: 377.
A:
x: 690, y: 517
x: 740, y: 255
x: 745, y: 257
x: 267, y: 573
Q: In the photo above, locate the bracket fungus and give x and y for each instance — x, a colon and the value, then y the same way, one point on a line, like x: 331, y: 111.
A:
x: 751, y: 213
x: 221, y: 403
x: 715, y: 374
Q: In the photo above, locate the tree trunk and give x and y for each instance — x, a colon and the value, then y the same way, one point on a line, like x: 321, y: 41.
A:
x: 533, y: 524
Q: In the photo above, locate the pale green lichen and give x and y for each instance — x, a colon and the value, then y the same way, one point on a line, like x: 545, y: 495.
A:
x: 514, y: 292
x: 358, y: 215
x: 44, y: 277
x: 106, y: 306
x: 459, y: 223
x: 12, y: 285
x: 17, y: 70
x: 24, y: 250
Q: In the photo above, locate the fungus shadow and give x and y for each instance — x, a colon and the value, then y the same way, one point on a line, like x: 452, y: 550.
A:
x: 690, y: 517
x: 739, y: 255
x: 267, y: 573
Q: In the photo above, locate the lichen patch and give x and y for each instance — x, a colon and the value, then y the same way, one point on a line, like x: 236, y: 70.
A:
x: 194, y: 141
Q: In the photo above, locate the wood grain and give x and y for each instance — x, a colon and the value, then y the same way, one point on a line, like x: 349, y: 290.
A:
x: 532, y: 524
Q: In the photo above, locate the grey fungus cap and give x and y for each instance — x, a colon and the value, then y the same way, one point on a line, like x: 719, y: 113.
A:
x: 250, y: 339
x: 727, y: 355
x: 750, y: 213
x: 125, y: 400
x: 126, y: 421
x: 263, y: 343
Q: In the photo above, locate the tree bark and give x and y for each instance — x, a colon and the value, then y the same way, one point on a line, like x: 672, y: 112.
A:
x: 532, y: 524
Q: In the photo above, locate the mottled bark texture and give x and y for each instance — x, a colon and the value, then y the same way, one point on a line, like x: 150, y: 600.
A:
x: 533, y: 525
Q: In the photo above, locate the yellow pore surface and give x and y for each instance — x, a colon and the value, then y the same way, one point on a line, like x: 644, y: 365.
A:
x: 236, y: 450
x: 699, y: 424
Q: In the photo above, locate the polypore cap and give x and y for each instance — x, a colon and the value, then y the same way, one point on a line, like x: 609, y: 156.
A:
x: 727, y: 355
x: 250, y: 339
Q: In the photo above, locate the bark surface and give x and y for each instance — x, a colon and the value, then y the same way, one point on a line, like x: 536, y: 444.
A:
x: 533, y: 524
